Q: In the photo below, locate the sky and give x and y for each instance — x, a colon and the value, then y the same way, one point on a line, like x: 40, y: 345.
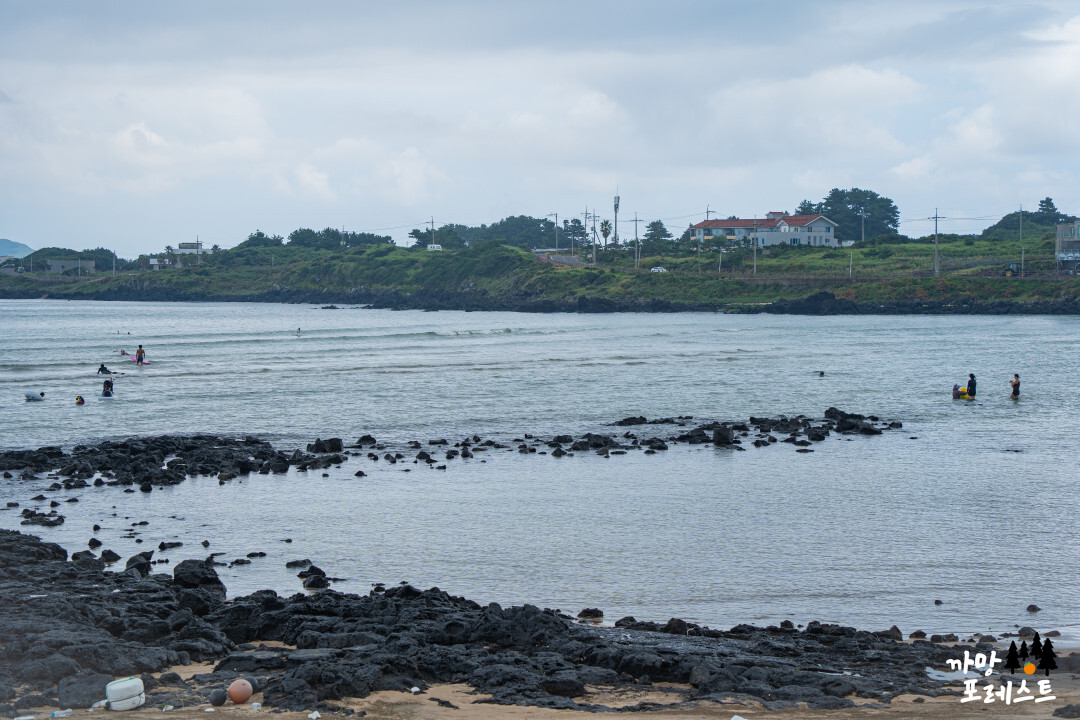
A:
x: 133, y: 125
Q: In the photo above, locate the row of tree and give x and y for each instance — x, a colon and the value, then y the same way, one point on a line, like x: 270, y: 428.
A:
x: 325, y: 239
x: 858, y: 213
x: 532, y: 233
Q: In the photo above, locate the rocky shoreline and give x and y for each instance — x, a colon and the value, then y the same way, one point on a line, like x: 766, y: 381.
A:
x: 69, y: 624
x: 69, y: 627
x: 149, y: 462
x: 826, y: 303
x: 818, y: 303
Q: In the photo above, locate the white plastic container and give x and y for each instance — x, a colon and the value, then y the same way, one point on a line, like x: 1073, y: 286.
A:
x: 126, y: 694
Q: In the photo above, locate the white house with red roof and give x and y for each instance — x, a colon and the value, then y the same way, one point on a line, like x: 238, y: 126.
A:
x: 776, y: 228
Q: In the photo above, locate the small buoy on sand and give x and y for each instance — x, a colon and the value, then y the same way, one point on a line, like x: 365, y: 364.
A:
x: 240, y: 691
x: 217, y: 697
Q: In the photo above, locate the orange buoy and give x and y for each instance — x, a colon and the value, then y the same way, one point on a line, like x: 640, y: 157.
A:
x: 240, y: 691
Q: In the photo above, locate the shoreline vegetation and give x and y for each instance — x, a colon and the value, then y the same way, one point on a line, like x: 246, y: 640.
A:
x: 996, y: 272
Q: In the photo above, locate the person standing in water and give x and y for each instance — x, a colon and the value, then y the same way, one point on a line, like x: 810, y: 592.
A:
x: 297, y: 332
x: 1015, y: 383
x: 140, y: 356
x: 970, y: 384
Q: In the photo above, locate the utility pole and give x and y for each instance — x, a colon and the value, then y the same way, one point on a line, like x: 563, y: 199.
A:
x: 1021, y: 222
x: 585, y: 232
x: 556, y: 231
x: 637, y: 242
x: 755, y: 256
x: 707, y: 211
x: 935, y: 219
x: 850, y: 264
x: 594, y: 238
x: 432, y: 229
x: 862, y: 223
x: 699, y: 253
x: 1021, y: 261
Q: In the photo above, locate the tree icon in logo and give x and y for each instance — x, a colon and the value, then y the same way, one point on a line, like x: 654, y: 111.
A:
x: 1012, y: 660
x: 1046, y: 657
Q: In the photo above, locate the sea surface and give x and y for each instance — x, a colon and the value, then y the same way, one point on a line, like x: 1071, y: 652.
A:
x: 971, y: 503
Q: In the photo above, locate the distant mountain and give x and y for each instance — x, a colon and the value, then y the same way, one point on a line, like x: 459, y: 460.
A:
x: 9, y: 247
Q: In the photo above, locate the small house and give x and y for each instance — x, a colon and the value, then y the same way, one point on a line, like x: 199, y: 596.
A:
x: 776, y: 228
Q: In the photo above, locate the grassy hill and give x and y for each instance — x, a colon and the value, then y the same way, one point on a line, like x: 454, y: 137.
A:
x: 492, y: 275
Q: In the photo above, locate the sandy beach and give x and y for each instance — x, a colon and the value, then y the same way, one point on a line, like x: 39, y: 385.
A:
x: 435, y: 704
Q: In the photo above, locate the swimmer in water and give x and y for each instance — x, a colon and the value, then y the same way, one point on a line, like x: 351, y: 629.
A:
x: 79, y: 400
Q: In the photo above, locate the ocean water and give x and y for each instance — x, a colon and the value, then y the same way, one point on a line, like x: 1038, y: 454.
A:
x: 971, y: 503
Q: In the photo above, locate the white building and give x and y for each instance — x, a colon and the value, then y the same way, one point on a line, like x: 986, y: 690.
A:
x: 59, y: 267
x: 1067, y: 245
x: 776, y: 228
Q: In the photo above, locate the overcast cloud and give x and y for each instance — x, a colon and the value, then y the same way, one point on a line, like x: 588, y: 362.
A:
x: 135, y: 125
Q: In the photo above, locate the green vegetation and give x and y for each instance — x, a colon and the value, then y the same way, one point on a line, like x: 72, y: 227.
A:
x: 856, y: 213
x: 477, y: 263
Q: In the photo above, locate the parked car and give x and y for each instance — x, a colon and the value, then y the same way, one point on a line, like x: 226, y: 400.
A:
x: 657, y: 269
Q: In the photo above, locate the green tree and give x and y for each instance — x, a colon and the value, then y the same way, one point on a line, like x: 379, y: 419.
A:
x: 446, y: 236
x: 657, y: 240
x: 261, y: 239
x: 304, y: 237
x: 605, y: 230
x: 574, y: 230
x: 656, y: 232
x: 848, y: 208
x: 169, y: 254
x: 807, y: 208
x: 1047, y: 207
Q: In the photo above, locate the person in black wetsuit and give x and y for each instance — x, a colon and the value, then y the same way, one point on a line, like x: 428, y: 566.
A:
x: 1015, y: 382
x: 104, y: 370
x: 107, y: 387
x: 971, y: 384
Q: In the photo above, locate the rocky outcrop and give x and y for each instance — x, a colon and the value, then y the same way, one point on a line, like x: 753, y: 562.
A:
x: 826, y: 303
x: 67, y: 629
